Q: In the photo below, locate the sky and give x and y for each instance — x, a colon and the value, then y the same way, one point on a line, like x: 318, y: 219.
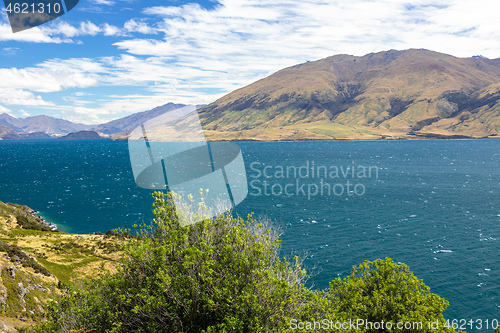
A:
x: 106, y: 59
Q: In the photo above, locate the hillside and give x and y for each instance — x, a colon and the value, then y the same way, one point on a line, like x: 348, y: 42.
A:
x: 35, y: 135
x: 82, y: 135
x: 386, y: 95
x: 36, y: 264
x: 41, y: 124
x: 393, y: 94
x: 43, y: 127
x: 6, y: 133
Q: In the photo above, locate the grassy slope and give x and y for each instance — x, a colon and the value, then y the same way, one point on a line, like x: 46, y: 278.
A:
x: 390, y: 94
x: 67, y: 257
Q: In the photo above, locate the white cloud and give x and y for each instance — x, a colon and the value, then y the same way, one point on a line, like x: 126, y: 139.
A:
x: 89, y: 28
x: 51, y: 76
x: 55, y: 33
x: 103, y: 2
x: 23, y: 113
x: 21, y: 97
x: 141, y: 27
x: 33, y: 35
x: 10, y: 51
x: 88, y: 116
x: 64, y: 29
x: 111, y: 30
x: 146, y: 47
x: 3, y: 109
x: 62, y: 32
x: 82, y: 93
x: 313, y: 29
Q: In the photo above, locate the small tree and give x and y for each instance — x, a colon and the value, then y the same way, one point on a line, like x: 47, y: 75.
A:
x: 219, y: 275
x: 225, y: 275
x: 382, y: 290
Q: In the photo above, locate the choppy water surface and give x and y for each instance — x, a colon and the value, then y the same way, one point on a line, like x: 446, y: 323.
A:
x: 434, y: 204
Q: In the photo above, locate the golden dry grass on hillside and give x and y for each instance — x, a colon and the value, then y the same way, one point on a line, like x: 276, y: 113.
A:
x: 35, y: 266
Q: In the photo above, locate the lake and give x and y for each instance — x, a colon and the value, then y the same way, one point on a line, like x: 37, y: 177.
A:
x: 432, y: 204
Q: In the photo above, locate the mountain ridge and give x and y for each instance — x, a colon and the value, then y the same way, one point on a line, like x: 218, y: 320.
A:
x: 35, y: 127
x: 41, y: 123
x: 391, y: 94
x: 406, y: 94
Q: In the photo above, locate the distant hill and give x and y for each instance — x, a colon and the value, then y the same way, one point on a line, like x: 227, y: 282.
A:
x: 51, y: 125
x: 35, y: 135
x: 41, y: 127
x: 385, y: 95
x: 81, y: 136
x: 42, y: 123
x: 7, y: 133
x: 393, y: 94
x: 11, y: 122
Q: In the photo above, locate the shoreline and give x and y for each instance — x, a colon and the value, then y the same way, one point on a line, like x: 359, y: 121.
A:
x: 355, y: 140
x: 52, y: 226
x: 216, y: 138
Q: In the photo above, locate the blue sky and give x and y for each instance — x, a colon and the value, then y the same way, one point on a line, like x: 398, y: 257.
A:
x: 106, y: 59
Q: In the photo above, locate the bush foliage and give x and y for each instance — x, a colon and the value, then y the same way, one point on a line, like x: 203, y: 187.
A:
x: 226, y: 275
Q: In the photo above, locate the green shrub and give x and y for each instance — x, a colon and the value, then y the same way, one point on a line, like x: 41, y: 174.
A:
x: 383, y: 290
x: 226, y: 275
x: 220, y: 275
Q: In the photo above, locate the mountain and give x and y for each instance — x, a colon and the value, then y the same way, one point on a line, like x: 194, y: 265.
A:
x: 127, y: 124
x: 7, y: 133
x: 35, y: 135
x: 386, y: 95
x: 393, y: 94
x: 9, y: 121
x: 45, y: 124
x: 51, y: 125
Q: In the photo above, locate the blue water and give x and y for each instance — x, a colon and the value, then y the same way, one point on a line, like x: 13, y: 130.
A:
x: 433, y: 204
